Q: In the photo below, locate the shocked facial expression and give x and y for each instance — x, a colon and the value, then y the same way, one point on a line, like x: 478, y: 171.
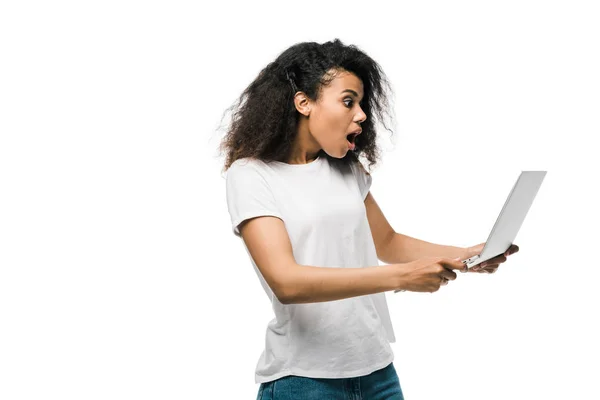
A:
x: 335, y: 118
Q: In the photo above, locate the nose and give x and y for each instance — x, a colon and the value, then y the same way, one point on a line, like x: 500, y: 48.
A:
x: 362, y: 118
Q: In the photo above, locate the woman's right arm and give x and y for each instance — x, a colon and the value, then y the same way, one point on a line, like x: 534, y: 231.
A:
x: 269, y: 245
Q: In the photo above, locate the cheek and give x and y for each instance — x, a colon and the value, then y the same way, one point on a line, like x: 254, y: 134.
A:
x: 329, y: 123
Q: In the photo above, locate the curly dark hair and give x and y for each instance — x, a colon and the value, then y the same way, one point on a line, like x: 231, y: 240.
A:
x: 264, y: 123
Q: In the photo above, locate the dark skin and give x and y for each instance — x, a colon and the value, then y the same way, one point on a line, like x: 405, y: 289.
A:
x: 490, y: 266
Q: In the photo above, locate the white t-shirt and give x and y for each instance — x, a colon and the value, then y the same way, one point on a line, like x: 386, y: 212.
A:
x: 322, y: 206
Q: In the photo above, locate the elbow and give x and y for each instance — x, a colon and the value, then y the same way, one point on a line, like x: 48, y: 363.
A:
x: 287, y: 292
x: 284, y: 284
x: 385, y: 248
x: 284, y: 295
x: 283, y: 299
x: 285, y: 288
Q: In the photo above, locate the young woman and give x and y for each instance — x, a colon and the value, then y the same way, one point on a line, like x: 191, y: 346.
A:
x: 299, y: 198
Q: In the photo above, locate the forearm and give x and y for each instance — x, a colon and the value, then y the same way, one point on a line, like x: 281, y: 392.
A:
x: 404, y: 249
x: 308, y: 284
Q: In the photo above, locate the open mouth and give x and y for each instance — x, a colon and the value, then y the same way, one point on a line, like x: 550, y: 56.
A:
x: 351, y: 137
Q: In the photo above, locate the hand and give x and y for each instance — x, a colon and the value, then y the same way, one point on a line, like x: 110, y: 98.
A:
x: 426, y: 274
x: 490, y: 266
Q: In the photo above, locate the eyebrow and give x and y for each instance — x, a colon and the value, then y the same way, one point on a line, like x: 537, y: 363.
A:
x: 350, y: 91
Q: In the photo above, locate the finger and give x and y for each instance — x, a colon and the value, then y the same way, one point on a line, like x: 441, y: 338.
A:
x: 475, y: 268
x: 512, y: 250
x: 452, y: 263
x: 479, y: 267
x: 447, y: 274
x: 496, y: 260
x: 490, y: 270
x: 487, y: 266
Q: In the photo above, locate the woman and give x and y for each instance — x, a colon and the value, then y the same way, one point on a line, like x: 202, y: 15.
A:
x: 299, y: 198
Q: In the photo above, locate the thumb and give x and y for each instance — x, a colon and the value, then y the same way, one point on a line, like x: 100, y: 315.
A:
x: 454, y: 263
x: 463, y: 265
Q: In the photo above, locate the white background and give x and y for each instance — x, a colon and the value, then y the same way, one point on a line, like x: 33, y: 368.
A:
x: 120, y: 277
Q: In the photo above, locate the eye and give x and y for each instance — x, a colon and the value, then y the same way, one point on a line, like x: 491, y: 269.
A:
x: 349, y: 99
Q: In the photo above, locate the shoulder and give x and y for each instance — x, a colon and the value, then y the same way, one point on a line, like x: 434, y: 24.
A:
x: 244, y: 166
x: 248, y: 174
x: 245, y: 163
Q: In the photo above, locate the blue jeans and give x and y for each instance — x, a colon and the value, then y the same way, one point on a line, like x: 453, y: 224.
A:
x: 382, y: 384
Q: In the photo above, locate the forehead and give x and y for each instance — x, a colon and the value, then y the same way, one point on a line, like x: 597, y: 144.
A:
x: 345, y: 80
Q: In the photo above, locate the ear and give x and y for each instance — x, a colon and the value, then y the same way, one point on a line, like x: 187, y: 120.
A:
x: 302, y: 103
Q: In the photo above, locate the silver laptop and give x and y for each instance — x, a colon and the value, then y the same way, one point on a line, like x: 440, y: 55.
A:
x: 511, y: 217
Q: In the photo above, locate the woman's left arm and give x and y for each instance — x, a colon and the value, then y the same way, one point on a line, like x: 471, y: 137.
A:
x: 396, y: 248
x: 408, y: 248
x: 402, y: 248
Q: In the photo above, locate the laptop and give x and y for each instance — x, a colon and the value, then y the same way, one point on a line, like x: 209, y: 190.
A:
x: 511, y: 217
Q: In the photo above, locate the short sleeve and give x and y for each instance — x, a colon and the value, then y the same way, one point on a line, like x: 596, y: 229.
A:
x: 248, y: 195
x: 363, y: 179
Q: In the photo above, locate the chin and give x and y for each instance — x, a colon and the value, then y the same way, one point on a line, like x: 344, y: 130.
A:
x: 339, y: 155
x: 330, y: 154
x: 342, y: 154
